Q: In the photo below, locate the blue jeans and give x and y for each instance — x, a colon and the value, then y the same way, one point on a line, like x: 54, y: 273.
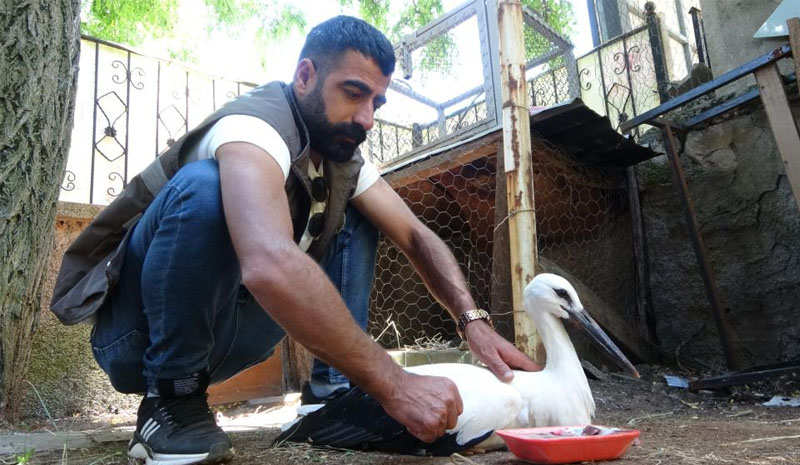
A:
x: 179, y: 307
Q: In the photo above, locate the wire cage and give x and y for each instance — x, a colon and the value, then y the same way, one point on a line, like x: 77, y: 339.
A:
x: 583, y: 227
x: 446, y: 86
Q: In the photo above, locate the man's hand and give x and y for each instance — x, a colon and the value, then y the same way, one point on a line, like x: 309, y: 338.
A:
x: 499, y: 355
x: 426, y: 405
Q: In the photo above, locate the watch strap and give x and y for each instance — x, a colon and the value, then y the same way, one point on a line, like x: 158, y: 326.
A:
x: 472, y: 315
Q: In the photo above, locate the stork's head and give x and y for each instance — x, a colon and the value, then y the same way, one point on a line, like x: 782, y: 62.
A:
x: 549, y: 293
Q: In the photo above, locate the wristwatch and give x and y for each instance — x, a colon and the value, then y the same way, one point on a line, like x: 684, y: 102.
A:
x: 472, y: 315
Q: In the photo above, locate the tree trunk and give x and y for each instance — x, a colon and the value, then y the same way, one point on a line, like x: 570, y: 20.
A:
x: 39, y: 48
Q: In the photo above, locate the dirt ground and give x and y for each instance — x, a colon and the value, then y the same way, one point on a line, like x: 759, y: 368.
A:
x: 677, y: 427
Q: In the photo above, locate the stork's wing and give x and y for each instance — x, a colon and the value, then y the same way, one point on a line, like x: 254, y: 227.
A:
x: 489, y: 404
x: 355, y: 420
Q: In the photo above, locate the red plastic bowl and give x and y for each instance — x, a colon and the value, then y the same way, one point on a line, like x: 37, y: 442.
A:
x: 559, y: 444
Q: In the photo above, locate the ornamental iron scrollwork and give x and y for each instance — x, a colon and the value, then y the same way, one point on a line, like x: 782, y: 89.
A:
x: 585, y: 85
x: 172, y: 131
x: 68, y: 182
x: 114, y: 176
x: 635, y: 51
x: 620, y: 92
x: 107, y: 104
x: 128, y: 75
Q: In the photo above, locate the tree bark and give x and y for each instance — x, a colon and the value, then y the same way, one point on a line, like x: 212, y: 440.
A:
x: 39, y: 49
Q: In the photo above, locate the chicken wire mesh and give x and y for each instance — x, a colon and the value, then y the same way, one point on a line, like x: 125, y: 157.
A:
x: 550, y: 65
x: 443, y: 88
x: 583, y: 227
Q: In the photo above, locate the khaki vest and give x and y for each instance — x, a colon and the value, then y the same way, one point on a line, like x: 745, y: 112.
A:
x: 92, y: 263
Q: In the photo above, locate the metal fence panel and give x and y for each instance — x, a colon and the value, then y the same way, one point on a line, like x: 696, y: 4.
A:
x: 129, y: 108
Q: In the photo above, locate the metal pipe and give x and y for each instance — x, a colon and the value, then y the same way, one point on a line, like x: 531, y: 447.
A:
x: 698, y: 38
x: 94, y: 122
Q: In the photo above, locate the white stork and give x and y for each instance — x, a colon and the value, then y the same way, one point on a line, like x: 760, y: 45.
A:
x: 558, y: 395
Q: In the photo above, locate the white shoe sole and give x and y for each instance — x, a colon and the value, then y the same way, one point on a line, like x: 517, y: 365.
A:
x: 138, y: 451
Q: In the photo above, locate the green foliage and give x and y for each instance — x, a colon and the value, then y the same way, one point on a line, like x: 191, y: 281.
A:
x: 375, y: 12
x: 439, y: 54
x: 274, y: 19
x: 25, y: 458
x: 558, y: 14
x: 132, y: 21
x: 129, y: 21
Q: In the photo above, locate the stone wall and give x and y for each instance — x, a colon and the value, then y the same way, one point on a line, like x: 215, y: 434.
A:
x: 751, y: 227
x: 729, y: 22
x: 62, y: 369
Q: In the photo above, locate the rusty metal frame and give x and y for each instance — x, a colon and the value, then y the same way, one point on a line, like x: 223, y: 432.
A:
x: 668, y: 130
x: 485, y: 12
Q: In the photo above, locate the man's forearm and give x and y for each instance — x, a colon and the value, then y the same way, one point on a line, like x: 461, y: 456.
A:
x: 297, y: 293
x: 437, y: 267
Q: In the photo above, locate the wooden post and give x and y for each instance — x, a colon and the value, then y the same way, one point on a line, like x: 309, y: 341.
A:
x: 518, y: 172
x: 776, y: 104
x: 644, y: 305
x: 709, y: 281
x: 794, y: 39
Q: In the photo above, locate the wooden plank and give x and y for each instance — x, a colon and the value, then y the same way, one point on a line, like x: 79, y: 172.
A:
x: 463, y: 154
x: 709, y: 281
x: 261, y: 380
x: 20, y: 443
x: 501, y: 261
x: 605, y: 316
x: 518, y: 171
x: 794, y: 41
x: 784, y: 127
x: 644, y: 304
x: 296, y: 365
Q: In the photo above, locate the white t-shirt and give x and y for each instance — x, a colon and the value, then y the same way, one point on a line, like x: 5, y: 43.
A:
x: 245, y: 128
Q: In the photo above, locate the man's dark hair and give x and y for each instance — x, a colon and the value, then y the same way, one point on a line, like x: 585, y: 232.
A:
x: 329, y: 40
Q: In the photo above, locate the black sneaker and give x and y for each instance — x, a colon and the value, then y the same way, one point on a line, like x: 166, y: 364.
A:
x: 307, y: 395
x: 178, y: 431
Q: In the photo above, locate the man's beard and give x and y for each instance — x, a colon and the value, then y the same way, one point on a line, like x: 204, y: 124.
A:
x: 330, y: 140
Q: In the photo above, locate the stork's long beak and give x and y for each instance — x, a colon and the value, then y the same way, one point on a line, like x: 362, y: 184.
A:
x: 599, y: 338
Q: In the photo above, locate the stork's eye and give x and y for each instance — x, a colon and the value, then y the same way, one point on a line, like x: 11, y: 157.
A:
x: 563, y: 294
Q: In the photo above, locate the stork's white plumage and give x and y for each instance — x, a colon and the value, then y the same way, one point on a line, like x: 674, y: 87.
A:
x: 557, y: 395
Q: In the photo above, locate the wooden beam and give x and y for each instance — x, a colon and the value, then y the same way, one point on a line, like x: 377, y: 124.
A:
x: 463, y: 154
x: 700, y: 250
x: 605, y: 316
x: 794, y: 41
x: 261, y: 380
x: 296, y: 365
x: 644, y: 302
x: 501, y: 268
x: 784, y: 127
x: 19, y: 443
x: 518, y: 172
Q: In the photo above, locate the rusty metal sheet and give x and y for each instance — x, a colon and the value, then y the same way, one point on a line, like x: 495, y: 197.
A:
x: 587, y: 135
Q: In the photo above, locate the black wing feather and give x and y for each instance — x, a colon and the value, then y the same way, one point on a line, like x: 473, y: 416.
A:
x: 354, y: 420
